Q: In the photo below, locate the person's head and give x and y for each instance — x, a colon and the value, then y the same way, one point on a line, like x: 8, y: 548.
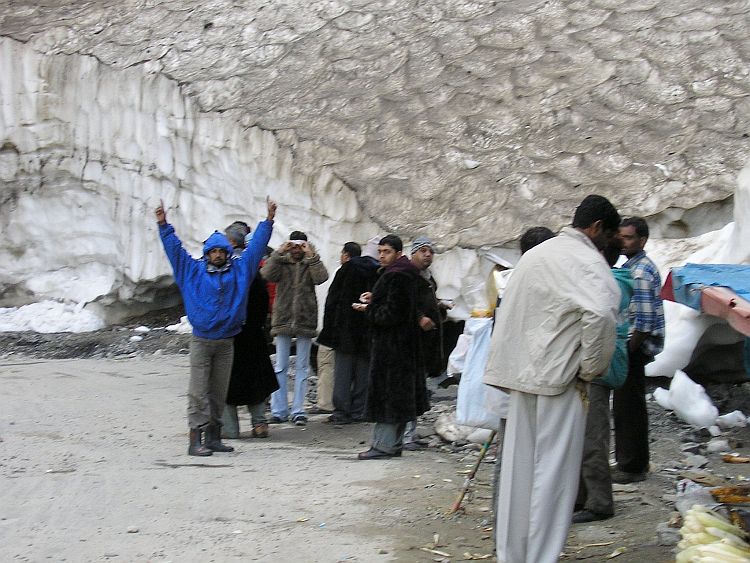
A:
x: 371, y: 247
x: 633, y: 234
x: 297, y: 251
x: 350, y: 250
x: 534, y: 236
x: 237, y: 233
x: 217, y: 249
x: 597, y: 218
x: 422, y: 253
x: 390, y: 248
x: 612, y: 251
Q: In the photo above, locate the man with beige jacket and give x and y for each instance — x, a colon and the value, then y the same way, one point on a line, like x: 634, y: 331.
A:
x: 555, y: 332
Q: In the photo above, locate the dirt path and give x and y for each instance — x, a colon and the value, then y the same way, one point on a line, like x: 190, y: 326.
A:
x: 94, y: 468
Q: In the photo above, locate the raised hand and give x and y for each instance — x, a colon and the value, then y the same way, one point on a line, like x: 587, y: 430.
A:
x: 161, y: 215
x: 309, y: 249
x: 271, y: 206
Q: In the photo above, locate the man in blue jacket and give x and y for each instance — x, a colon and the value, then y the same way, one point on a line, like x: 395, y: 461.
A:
x: 214, y: 290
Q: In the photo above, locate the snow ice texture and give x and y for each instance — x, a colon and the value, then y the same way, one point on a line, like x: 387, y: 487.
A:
x: 92, y: 138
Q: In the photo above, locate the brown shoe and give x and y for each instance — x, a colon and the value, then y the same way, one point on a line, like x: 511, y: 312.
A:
x: 260, y: 430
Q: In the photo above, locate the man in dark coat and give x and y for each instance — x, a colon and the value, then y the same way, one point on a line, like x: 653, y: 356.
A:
x: 397, y: 392
x: 253, y: 378
x: 430, y: 315
x: 347, y: 332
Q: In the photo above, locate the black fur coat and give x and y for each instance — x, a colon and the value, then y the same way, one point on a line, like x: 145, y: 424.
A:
x: 397, y: 391
x: 253, y: 378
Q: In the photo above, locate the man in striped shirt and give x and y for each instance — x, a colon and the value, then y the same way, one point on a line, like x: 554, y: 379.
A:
x: 646, y: 340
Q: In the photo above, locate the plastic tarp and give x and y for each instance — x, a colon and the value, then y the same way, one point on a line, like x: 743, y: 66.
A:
x: 722, y: 290
x: 479, y: 405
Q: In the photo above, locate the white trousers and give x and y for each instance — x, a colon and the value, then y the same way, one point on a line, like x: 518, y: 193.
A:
x: 541, y: 466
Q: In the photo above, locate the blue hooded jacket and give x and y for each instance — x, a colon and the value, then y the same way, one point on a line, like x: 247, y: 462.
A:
x: 215, y: 298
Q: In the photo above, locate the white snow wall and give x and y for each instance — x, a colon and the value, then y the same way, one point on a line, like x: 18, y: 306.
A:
x: 86, y: 153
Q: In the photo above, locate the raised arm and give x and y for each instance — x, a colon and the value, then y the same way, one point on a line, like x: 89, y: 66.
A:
x: 250, y: 258
x: 178, y: 257
x: 318, y: 271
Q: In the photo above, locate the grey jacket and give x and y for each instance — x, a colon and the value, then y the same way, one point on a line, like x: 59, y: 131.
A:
x: 295, y: 310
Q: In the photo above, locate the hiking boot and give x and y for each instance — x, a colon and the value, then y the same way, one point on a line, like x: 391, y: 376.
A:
x: 260, y: 430
x: 213, y: 439
x: 196, y: 447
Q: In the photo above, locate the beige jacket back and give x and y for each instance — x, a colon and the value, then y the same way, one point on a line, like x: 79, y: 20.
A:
x: 557, y: 319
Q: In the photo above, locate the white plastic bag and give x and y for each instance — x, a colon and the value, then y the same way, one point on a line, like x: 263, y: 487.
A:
x: 457, y: 358
x: 690, y: 402
x: 478, y: 404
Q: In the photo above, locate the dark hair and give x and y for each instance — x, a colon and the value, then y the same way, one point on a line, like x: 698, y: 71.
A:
x: 393, y: 241
x: 297, y: 235
x: 641, y: 227
x: 236, y: 232
x: 612, y: 251
x: 534, y: 236
x: 352, y: 249
x: 595, y: 208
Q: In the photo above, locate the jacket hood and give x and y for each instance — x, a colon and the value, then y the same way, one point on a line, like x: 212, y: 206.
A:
x: 403, y: 264
x: 364, y: 264
x: 217, y: 240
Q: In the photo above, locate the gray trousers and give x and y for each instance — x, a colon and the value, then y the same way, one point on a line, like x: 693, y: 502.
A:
x: 231, y: 422
x: 387, y: 437
x: 595, y: 487
x: 350, y: 374
x: 210, y: 369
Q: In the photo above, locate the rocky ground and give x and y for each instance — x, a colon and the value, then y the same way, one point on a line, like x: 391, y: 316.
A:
x: 92, y: 456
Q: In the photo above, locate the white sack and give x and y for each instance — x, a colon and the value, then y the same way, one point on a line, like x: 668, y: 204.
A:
x: 478, y: 404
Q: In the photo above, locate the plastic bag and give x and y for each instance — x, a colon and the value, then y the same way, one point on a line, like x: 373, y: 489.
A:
x: 478, y: 404
x: 457, y: 358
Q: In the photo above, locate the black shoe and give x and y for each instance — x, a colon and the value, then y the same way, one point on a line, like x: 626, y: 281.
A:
x: 213, y: 439
x: 336, y: 418
x: 624, y: 477
x: 587, y: 516
x: 277, y: 420
x: 300, y: 420
x: 196, y: 444
x: 318, y: 410
x: 372, y: 453
x: 414, y: 446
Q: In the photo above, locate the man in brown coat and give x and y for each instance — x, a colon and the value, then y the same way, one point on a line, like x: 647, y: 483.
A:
x: 296, y: 269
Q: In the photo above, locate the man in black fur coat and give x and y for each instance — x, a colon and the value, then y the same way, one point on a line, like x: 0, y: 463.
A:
x: 397, y: 392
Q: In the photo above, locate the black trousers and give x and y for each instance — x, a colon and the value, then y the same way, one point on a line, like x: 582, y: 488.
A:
x: 631, y: 417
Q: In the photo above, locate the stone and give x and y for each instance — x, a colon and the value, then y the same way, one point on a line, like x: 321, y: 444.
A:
x: 667, y: 535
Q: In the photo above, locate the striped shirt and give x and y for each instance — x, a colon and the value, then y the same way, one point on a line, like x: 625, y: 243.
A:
x: 646, y: 308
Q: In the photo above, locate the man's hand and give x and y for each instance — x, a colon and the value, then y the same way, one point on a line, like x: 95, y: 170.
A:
x: 426, y: 324
x: 361, y: 307
x: 366, y: 297
x: 161, y: 216
x: 271, y: 206
x: 309, y: 249
x: 286, y: 247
